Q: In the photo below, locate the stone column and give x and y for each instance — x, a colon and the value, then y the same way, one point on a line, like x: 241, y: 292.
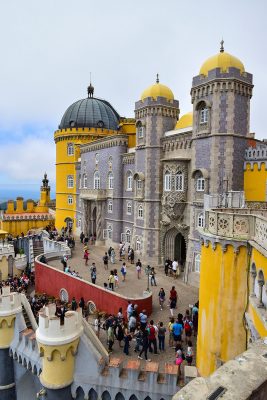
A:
x: 261, y: 283
x: 99, y: 223
x: 253, y: 274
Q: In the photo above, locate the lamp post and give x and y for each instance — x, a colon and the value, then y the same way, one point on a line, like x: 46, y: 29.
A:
x: 147, y: 271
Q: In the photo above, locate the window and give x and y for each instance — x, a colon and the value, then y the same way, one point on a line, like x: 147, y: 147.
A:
x: 128, y: 236
x: 79, y: 222
x: 96, y: 180
x: 140, y: 212
x: 109, y: 232
x: 138, y: 245
x: 110, y: 206
x: 204, y: 115
x: 70, y: 181
x: 70, y: 149
x: 197, y: 263
x: 200, y: 184
x: 200, y: 220
x: 129, y: 178
x: 139, y: 184
x: 97, y: 158
x: 70, y: 200
x: 129, y: 208
x: 140, y: 132
x: 84, y: 180
x: 179, y: 182
x: 110, y: 180
x: 167, y: 182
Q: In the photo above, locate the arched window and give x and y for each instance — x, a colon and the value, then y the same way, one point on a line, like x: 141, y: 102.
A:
x: 167, y: 181
x: 84, y: 180
x: 97, y: 158
x: 129, y: 181
x: 179, y: 182
x: 138, y: 245
x: 140, y: 212
x: 110, y: 180
x: 203, y: 115
x: 96, y: 180
x: 70, y: 149
x: 200, y: 220
x: 70, y: 181
x: 129, y: 208
x: 110, y: 206
x: 128, y: 236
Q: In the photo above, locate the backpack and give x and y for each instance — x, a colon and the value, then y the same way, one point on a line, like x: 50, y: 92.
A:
x: 187, y: 327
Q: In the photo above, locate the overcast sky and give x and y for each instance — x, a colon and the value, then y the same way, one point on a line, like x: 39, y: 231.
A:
x: 48, y: 49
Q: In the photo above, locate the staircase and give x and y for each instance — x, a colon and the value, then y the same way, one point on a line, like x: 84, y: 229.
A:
x: 26, y: 318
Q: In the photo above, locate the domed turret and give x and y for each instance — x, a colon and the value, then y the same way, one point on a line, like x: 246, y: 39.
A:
x: 157, y: 90
x: 185, y: 121
x: 90, y: 113
x: 222, y: 60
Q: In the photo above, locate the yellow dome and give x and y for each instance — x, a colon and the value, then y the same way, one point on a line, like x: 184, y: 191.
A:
x: 223, y: 61
x: 185, y: 121
x: 157, y: 90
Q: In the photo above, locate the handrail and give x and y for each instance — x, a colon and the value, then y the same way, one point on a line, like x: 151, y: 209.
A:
x: 29, y: 312
x: 90, y: 334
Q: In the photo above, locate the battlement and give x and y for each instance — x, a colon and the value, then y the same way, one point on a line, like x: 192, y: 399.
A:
x: 53, y: 332
x: 6, y: 250
x: 10, y: 303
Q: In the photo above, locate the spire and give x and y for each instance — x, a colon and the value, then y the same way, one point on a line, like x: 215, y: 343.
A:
x: 90, y: 89
x: 157, y: 80
x: 222, y: 48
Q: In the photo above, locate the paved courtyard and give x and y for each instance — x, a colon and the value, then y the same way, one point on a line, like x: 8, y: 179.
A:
x: 133, y: 287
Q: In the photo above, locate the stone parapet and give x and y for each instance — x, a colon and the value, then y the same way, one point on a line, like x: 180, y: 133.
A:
x: 10, y: 302
x: 6, y: 250
x: 52, y: 247
x: 21, y: 262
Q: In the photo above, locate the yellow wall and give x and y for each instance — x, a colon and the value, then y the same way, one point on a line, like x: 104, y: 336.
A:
x: 223, y: 300
x: 255, y: 182
x: 255, y: 313
x: 58, y: 364
x: 15, y: 227
x: 6, y: 330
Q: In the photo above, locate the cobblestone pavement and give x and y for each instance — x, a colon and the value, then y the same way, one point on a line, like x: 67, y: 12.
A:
x: 134, y: 287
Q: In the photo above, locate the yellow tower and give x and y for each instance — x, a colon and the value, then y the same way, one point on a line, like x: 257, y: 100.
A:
x: 10, y: 306
x: 58, y: 343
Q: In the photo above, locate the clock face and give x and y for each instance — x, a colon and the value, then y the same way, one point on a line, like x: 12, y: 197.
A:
x: 100, y: 124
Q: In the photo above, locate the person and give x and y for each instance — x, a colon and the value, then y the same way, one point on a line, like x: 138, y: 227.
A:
x: 86, y: 256
x: 129, y: 309
x: 172, y: 306
x: 111, y: 336
x: 116, y: 277
x: 166, y: 267
x: 44, y: 260
x: 123, y: 252
x: 109, y: 253
x: 82, y: 304
x: 132, y: 323
x: 127, y: 337
x: 82, y: 236
x: 170, y: 328
x: 179, y: 359
x: 97, y: 325
x: 93, y: 275
x: 60, y: 312
x: 120, y: 315
x: 120, y: 250
x: 143, y: 319
x: 119, y: 333
x: 138, y: 268
x: 123, y: 271
x: 177, y: 329
x: 153, y: 277
x: 113, y: 256
x: 174, y: 268
x: 144, y: 345
x: 161, y: 298
x: 74, y: 304
x: 105, y: 260
x: 138, y: 338
x: 132, y: 256
x: 195, y: 318
x: 161, y: 336
x: 173, y: 296
x: 64, y: 262
x: 152, y: 340
x: 189, y: 353
x: 111, y: 280
x: 188, y: 326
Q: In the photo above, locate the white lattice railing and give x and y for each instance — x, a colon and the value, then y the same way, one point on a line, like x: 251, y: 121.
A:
x: 52, y: 246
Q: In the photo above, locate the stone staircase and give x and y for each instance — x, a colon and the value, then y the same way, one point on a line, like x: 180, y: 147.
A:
x: 26, y: 318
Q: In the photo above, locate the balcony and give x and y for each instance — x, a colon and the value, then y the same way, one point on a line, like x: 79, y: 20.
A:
x: 93, y: 194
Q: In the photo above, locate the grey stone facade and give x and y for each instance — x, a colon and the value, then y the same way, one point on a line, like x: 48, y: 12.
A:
x: 159, y: 221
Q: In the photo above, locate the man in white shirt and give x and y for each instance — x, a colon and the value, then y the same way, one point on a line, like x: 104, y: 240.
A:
x: 174, y: 267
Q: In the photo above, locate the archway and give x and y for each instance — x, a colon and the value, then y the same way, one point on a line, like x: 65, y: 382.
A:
x: 69, y: 222
x: 180, y: 249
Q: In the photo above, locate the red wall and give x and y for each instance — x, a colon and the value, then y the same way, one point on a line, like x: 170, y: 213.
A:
x: 50, y: 280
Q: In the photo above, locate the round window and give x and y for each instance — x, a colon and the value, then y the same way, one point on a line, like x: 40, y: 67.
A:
x: 64, y: 296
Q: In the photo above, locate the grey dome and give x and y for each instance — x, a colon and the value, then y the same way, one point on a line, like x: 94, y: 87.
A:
x: 90, y: 113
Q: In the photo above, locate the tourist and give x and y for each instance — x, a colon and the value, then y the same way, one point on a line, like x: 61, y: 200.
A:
x: 174, y: 268
x: 130, y: 309
x: 177, y: 329
x: 82, y: 305
x: 188, y: 326
x: 74, y: 304
x: 82, y: 236
x: 126, y: 337
x: 179, y: 359
x: 166, y: 266
x: 195, y: 318
x: 109, y: 253
x: 111, y: 336
x: 132, y: 256
x: 123, y: 252
x: 153, y: 277
x: 86, y: 256
x: 116, y: 277
x: 173, y: 296
x: 97, y: 325
x: 119, y: 333
x: 161, y: 298
x: 143, y: 319
x: 144, y: 345
x: 170, y: 329
x: 189, y: 353
x: 132, y: 323
x: 64, y: 260
x: 111, y: 280
x: 113, y: 255
x: 138, y: 268
x: 161, y: 336
x: 138, y: 338
x: 152, y: 337
x: 105, y: 260
x: 123, y: 271
x: 120, y: 315
x: 93, y: 275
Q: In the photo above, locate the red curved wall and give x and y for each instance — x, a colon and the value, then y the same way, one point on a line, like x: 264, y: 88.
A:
x: 50, y: 280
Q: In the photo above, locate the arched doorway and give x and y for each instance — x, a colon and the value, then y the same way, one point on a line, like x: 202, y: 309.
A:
x: 69, y: 222
x: 180, y: 249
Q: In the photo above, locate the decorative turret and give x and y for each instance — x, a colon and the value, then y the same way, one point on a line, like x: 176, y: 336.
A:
x: 58, y: 340
x: 10, y: 306
x: 45, y: 192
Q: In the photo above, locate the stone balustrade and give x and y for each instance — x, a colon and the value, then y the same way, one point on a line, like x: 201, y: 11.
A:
x: 93, y: 194
x: 54, y: 248
x: 10, y: 302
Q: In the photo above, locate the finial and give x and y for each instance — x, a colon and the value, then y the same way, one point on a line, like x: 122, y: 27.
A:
x: 90, y: 89
x: 222, y: 48
x: 157, y: 80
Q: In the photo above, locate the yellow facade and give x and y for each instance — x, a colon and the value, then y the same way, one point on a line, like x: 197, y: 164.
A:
x: 58, y: 364
x: 255, y: 182
x: 223, y: 298
x: 7, y: 324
